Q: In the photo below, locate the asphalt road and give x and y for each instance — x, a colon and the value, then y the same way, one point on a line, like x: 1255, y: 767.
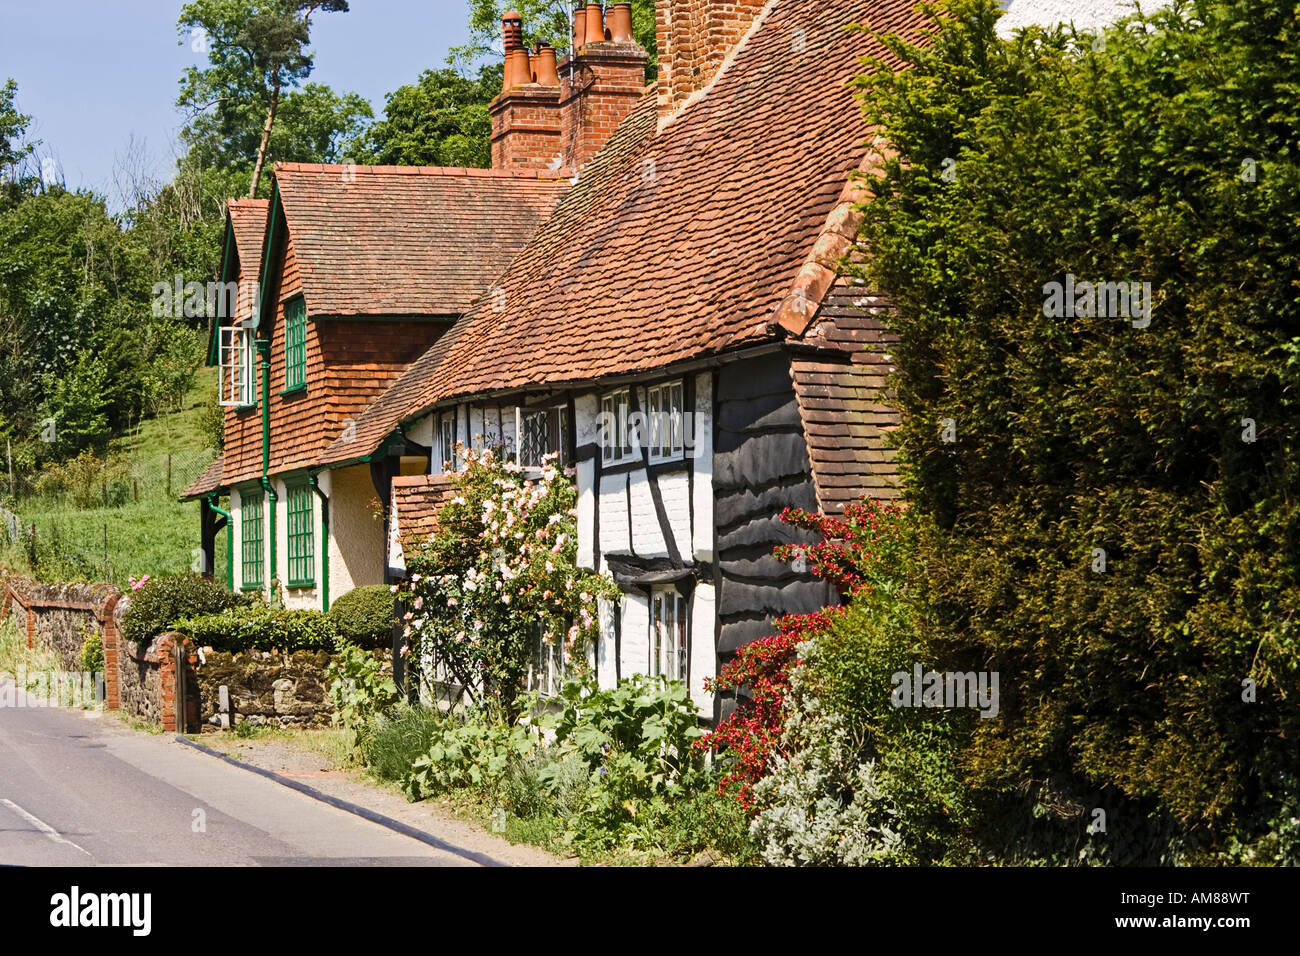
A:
x: 78, y: 790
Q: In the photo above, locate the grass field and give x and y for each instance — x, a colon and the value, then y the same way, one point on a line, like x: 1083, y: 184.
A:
x: 151, y: 533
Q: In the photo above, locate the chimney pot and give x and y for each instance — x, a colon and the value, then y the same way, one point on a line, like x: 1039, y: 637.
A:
x: 512, y: 32
x: 620, y: 23
x: 518, y: 69
x: 544, y: 67
x: 595, y: 24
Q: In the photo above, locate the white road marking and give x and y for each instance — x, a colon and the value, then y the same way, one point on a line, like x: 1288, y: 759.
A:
x: 41, y: 825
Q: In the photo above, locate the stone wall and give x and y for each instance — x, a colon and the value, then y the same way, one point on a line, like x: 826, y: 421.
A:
x: 140, y: 682
x: 289, y: 689
x: 147, y: 682
x: 60, y: 615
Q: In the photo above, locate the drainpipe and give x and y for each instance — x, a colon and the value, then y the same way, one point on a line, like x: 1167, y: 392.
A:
x: 230, y: 542
x: 325, y: 540
x: 271, y: 498
x: 264, y: 350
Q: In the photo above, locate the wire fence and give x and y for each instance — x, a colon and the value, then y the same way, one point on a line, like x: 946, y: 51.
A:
x: 88, y: 481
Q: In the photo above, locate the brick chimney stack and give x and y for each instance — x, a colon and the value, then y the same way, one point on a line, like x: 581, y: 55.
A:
x: 538, y: 125
x: 694, y: 37
x: 527, y: 126
x: 602, y: 81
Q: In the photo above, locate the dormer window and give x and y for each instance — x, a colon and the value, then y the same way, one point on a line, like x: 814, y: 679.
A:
x: 237, y: 351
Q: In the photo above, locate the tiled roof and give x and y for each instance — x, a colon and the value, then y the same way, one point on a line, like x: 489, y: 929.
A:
x: 839, y: 381
x: 677, y: 242
x: 416, y: 501
x: 248, y: 218
x: 408, y: 240
x: 209, y: 481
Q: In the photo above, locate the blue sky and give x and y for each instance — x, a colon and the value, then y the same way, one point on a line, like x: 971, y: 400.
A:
x: 93, y: 73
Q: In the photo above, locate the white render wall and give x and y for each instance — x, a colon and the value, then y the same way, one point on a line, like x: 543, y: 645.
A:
x: 356, y: 533
x: 618, y: 509
x: 1084, y: 14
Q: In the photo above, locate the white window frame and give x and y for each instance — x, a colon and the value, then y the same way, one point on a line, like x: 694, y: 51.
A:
x: 447, y: 441
x: 236, y: 366
x: 547, y: 670
x: 670, y: 623
x: 617, y: 446
x: 665, y: 409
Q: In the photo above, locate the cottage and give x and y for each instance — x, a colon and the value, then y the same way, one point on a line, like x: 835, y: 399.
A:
x: 679, y: 330
x: 346, y: 275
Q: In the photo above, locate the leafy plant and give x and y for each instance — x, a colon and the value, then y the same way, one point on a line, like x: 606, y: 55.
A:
x: 92, y: 651
x: 261, y: 628
x: 359, y: 690
x: 364, y: 616
x: 474, y: 753
x: 163, y: 602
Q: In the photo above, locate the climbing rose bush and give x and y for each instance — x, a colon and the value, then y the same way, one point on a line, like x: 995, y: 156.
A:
x: 501, y: 570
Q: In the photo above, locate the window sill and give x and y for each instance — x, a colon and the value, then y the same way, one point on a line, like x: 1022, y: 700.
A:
x: 250, y: 587
x: 296, y: 390
x: 301, y: 585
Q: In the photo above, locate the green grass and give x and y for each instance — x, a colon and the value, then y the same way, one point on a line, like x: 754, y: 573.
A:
x: 17, y: 658
x: 155, y: 535
x: 171, y: 433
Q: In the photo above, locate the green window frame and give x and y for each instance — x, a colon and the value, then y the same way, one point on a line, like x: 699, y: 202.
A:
x: 251, y: 533
x: 295, y: 345
x: 302, y: 537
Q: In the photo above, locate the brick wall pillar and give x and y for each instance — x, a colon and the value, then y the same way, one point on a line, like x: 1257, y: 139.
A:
x: 174, y: 651
x: 112, y: 639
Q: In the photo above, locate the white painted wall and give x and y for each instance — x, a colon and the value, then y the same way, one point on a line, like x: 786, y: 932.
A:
x: 647, y: 537
x: 356, y: 534
x: 585, y: 409
x: 615, y: 537
x: 636, y: 635
x: 703, y: 662
x: 606, y: 671
x: 421, y: 432
x: 702, y: 466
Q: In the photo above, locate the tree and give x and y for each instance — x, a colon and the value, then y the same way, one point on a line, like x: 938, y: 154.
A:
x: 1115, y: 487
x: 13, y: 151
x: 441, y: 120
x: 256, y: 51
x: 545, y: 21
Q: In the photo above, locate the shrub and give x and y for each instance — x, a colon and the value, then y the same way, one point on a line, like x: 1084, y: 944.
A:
x: 162, y: 602
x: 359, y: 689
x: 1115, y: 521
x: 261, y: 628
x: 92, y: 652
x: 364, y: 616
x: 500, y: 572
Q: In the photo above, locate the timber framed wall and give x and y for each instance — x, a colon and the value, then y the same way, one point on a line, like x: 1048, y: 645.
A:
x: 760, y: 467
